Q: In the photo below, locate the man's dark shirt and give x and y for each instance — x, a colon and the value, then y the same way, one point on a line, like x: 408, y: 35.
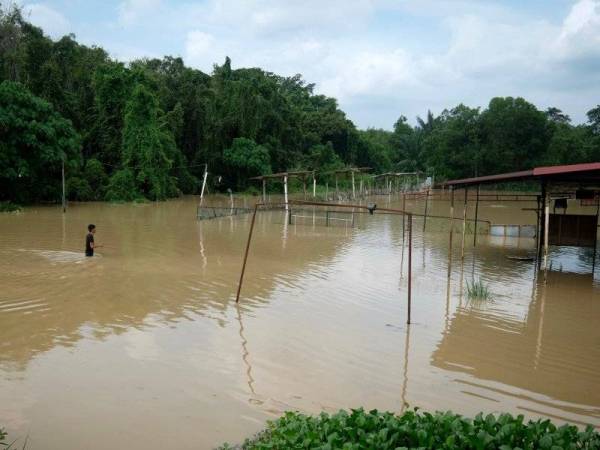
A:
x: 89, y: 240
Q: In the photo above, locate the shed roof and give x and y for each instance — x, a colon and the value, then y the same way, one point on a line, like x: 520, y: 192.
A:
x: 582, y: 173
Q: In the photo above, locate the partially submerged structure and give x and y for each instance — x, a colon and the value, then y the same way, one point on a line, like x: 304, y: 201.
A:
x: 558, y: 186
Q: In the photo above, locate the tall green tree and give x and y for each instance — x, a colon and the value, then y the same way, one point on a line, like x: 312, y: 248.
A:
x: 34, y: 142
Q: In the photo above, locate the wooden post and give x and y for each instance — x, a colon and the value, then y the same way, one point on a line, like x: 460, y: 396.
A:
x: 451, y: 230
x: 237, y: 297
x: 203, y: 183
x: 353, y: 187
x: 546, y: 231
x: 264, y: 190
x: 425, y: 214
x: 64, y: 199
x: 476, y: 214
x: 464, y: 231
x: 285, y: 192
x: 409, y: 265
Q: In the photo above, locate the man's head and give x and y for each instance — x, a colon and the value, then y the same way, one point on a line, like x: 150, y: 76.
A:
x: 92, y: 228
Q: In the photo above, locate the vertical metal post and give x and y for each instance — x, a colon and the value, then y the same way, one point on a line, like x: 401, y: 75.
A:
x: 476, y: 214
x: 409, y: 265
x: 314, y: 186
x: 285, y: 192
x: 464, y: 230
x: 237, y: 297
x: 425, y: 215
x: 546, y: 231
x: 596, y: 238
x: 203, y: 183
x: 451, y: 230
x: 360, y: 188
x: 337, y: 192
x: 353, y: 187
x: 264, y: 183
x: 64, y: 199
x: 403, y: 215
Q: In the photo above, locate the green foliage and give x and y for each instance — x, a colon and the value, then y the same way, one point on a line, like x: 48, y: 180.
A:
x: 9, y: 207
x: 34, y: 140
x: 96, y: 177
x: 359, y: 429
x: 79, y: 189
x: 247, y: 159
x: 122, y: 186
x: 146, y: 149
x: 163, y: 121
x: 478, y: 290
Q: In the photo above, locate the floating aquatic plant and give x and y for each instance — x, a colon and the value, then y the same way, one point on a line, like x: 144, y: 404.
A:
x: 359, y: 429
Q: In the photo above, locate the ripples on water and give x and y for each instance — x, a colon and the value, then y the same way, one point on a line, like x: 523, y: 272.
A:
x: 148, y: 337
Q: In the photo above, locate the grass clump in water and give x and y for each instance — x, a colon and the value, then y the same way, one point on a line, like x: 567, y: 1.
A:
x: 478, y: 290
x: 359, y: 429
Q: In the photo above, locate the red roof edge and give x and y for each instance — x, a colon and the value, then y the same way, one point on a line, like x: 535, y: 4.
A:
x: 557, y: 170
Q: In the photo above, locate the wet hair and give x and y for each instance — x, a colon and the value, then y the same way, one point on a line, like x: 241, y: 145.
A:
x: 91, y: 226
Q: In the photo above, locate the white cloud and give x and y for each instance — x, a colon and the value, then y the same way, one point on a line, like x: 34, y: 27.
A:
x: 580, y: 33
x: 133, y: 11
x: 383, y: 58
x: 200, y: 50
x: 51, y: 21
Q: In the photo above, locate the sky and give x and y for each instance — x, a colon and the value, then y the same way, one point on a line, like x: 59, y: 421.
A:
x: 379, y: 58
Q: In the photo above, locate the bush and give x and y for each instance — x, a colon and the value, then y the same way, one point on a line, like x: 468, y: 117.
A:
x: 9, y: 207
x: 95, y: 175
x: 79, y: 189
x: 375, y: 430
x: 122, y: 187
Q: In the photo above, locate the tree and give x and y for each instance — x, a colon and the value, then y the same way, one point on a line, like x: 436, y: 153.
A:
x: 246, y: 159
x: 34, y: 142
x: 145, y: 147
x: 514, y: 135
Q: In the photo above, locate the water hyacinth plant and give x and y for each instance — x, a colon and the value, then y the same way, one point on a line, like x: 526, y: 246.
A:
x: 359, y: 429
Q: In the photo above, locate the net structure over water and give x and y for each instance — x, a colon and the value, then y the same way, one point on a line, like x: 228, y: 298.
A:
x: 213, y: 212
x: 294, y: 215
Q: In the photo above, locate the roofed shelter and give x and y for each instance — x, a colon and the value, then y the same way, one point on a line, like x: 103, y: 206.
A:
x: 302, y: 174
x: 557, y: 184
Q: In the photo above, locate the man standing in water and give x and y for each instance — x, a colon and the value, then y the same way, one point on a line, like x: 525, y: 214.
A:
x: 89, y: 240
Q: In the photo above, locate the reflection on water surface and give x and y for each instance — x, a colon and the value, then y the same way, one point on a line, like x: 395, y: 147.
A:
x: 147, y: 336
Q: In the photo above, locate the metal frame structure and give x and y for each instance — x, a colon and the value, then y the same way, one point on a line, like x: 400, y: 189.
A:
x: 564, y: 180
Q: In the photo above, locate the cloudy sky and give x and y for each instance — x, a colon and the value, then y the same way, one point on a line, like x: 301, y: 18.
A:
x: 379, y: 58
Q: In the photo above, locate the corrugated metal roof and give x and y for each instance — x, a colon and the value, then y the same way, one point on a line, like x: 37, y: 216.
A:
x: 557, y: 170
x: 538, y: 172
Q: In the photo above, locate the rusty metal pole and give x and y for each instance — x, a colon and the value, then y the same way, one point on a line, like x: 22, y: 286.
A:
x: 476, y: 215
x: 451, y: 230
x: 237, y: 297
x: 546, y: 232
x: 409, y: 265
x: 425, y: 215
x: 403, y: 215
x: 464, y: 230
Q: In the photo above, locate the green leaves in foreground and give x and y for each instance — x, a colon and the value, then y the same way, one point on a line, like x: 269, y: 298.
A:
x: 375, y: 430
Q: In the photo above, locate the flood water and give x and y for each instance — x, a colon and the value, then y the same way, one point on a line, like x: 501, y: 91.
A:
x: 144, y: 346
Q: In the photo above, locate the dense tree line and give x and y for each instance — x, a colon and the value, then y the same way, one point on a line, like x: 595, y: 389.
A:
x: 146, y: 129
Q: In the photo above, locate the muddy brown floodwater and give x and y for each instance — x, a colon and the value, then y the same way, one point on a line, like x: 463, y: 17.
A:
x: 143, y: 345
